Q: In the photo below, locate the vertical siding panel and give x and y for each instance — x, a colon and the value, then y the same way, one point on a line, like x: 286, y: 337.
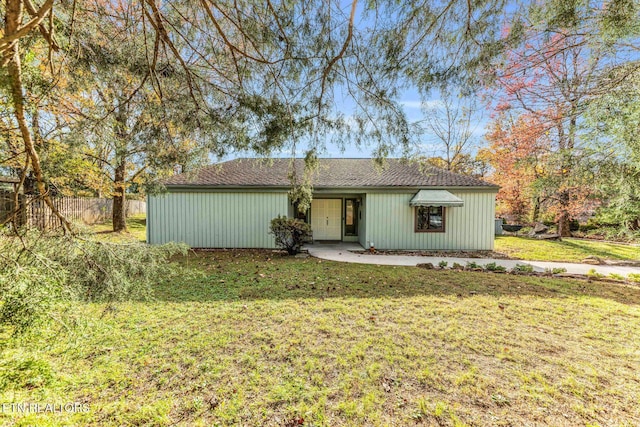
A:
x: 158, y: 213
x: 462, y: 226
x: 169, y: 228
x: 244, y: 209
x: 208, y: 222
x: 177, y: 218
x: 165, y: 206
x: 215, y: 220
x: 162, y: 218
x: 222, y: 218
x: 197, y: 215
x: 179, y: 209
x: 219, y: 224
x: 200, y: 219
x: 241, y: 207
x: 162, y: 214
x: 236, y: 206
x: 226, y: 219
x: 188, y: 214
x: 250, y: 220
x: 174, y: 224
x: 477, y: 214
x: 185, y: 214
x: 485, y: 214
x: 172, y: 220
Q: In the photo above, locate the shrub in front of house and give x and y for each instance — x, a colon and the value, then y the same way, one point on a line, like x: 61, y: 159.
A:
x: 290, y: 233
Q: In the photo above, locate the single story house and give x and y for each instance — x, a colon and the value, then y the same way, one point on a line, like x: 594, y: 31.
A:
x: 402, y: 205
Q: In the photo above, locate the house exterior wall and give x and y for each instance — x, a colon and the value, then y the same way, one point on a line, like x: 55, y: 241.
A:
x: 390, y: 223
x: 362, y: 225
x: 215, y: 219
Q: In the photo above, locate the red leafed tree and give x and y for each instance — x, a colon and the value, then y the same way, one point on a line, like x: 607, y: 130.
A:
x: 549, y: 80
x: 516, y: 152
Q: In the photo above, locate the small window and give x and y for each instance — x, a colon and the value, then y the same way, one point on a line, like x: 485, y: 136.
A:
x: 429, y: 219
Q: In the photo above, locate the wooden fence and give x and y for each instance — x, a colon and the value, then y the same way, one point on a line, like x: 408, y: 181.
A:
x: 35, y: 213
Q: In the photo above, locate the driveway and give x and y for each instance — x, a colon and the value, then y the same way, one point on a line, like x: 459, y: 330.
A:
x: 345, y: 252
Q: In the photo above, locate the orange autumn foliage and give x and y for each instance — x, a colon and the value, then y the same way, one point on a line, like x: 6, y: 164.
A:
x: 517, y: 148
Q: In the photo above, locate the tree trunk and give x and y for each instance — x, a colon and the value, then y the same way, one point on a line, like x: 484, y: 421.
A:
x: 536, y: 210
x: 564, y: 224
x: 119, y: 218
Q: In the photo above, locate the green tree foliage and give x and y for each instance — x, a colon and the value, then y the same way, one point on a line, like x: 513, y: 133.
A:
x: 42, y: 274
x: 613, y: 123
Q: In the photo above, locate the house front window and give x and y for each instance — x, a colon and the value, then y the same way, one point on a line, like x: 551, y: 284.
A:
x: 429, y: 219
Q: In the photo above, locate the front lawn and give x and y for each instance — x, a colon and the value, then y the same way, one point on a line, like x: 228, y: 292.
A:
x: 569, y: 250
x: 253, y: 338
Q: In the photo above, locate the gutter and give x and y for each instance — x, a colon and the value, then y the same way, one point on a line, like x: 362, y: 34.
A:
x: 199, y: 188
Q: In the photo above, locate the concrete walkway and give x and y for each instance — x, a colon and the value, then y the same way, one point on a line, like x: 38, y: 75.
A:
x: 344, y: 252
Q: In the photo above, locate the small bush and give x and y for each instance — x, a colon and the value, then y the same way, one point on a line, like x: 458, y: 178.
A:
x: 457, y: 266
x: 634, y: 277
x: 593, y: 273
x: 472, y: 265
x: 556, y: 270
x: 443, y: 264
x: 522, y: 268
x: 616, y: 276
x: 290, y: 233
x: 492, y: 266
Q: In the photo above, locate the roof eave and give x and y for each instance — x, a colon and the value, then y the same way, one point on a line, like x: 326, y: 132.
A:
x: 336, y: 189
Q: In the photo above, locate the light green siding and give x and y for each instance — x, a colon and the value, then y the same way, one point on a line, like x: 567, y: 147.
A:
x: 362, y: 225
x: 215, y: 219
x: 390, y: 223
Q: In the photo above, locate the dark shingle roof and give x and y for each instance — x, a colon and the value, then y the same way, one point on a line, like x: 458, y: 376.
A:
x: 331, y: 173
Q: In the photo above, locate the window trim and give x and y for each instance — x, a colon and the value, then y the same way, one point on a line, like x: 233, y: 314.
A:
x: 432, y: 230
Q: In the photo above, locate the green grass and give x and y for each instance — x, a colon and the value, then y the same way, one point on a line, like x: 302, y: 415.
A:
x: 137, y: 229
x: 569, y: 250
x: 258, y: 339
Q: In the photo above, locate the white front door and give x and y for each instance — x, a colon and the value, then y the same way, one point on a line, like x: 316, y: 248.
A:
x: 326, y: 215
